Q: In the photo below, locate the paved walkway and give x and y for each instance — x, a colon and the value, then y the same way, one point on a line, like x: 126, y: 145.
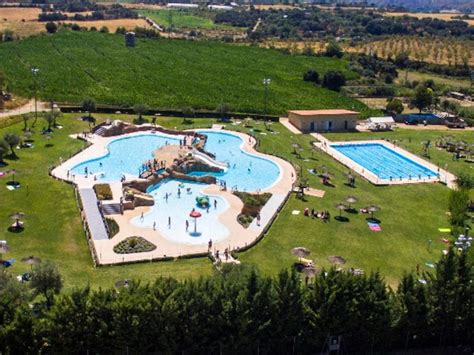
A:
x: 92, y: 213
x: 285, y: 122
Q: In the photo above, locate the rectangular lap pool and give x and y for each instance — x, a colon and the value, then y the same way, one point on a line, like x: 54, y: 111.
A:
x: 385, y: 163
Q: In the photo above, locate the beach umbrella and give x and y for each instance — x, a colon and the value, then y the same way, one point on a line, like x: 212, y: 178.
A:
x: 31, y: 260
x: 122, y: 283
x: 17, y: 216
x: 326, y: 175
x: 300, y: 252
x: 350, y: 200
x: 13, y: 172
x: 372, y: 209
x: 195, y: 214
x: 4, y: 248
x: 295, y: 146
x: 311, y: 271
x: 341, y: 207
x: 336, y: 260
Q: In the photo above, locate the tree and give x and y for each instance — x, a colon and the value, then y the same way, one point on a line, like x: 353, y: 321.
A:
x: 51, y: 27
x: 140, y: 110
x: 423, y: 97
x: 89, y: 106
x: 25, y: 117
x: 3, y: 149
x: 51, y: 117
x: 394, y: 106
x: 188, y: 111
x: 46, y: 280
x: 12, y: 140
x: 333, y: 80
x: 104, y: 29
x: 333, y: 50
x: 223, y: 109
x: 311, y: 76
x: 458, y: 201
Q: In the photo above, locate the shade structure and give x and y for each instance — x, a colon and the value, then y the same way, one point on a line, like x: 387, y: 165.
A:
x: 195, y: 214
x: 326, y: 175
x: 350, y: 200
x: 300, y: 252
x: 336, y: 260
x: 4, y: 248
x: 17, y: 215
x: 373, y: 208
x: 122, y: 283
x: 311, y: 271
x: 31, y: 260
x: 341, y: 207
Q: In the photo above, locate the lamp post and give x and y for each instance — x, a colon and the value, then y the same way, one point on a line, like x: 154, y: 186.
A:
x: 34, y: 72
x: 266, y: 83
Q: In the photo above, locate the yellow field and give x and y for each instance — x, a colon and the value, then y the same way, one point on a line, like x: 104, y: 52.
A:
x: 421, y: 15
x: 22, y: 21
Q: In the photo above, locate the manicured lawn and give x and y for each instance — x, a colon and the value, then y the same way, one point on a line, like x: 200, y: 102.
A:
x: 410, y: 215
x: 167, y: 73
x: 183, y: 19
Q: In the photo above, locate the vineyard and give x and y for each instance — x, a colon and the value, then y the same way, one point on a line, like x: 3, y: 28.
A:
x: 432, y: 50
x: 167, y: 73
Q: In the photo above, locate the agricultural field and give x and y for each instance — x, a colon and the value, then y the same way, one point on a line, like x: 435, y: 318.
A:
x: 422, y: 15
x: 76, y: 65
x: 439, y: 51
x: 183, y: 19
x: 22, y: 21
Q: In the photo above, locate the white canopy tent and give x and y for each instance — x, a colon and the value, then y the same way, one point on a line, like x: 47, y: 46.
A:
x: 380, y: 123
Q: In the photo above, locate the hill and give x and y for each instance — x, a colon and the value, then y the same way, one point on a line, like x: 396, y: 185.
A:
x: 167, y: 73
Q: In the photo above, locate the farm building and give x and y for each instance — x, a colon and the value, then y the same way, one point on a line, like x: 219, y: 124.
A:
x: 323, y: 120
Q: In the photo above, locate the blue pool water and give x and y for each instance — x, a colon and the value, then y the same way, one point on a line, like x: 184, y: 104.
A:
x: 246, y: 172
x: 383, y: 161
x: 178, y: 208
x: 125, y: 156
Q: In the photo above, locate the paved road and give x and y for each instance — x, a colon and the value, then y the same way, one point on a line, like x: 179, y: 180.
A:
x: 26, y: 108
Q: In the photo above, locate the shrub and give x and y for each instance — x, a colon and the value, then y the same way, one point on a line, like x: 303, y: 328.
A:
x: 103, y: 191
x: 333, y: 80
x: 253, y: 203
x: 112, y: 227
x: 51, y: 27
x: 312, y: 76
x: 134, y: 245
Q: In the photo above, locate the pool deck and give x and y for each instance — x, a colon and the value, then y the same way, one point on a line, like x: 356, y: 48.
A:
x: 239, y: 236
x: 325, y: 145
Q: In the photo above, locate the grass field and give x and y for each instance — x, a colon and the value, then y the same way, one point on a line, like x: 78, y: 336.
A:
x: 182, y: 19
x: 22, y: 21
x: 53, y: 228
x: 438, y: 79
x: 167, y: 74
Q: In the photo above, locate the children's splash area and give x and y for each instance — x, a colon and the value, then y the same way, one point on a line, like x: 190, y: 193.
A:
x: 174, y: 189
x: 383, y: 163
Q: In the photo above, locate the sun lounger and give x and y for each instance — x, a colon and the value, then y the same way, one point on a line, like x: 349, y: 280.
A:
x: 306, y: 262
x: 295, y: 212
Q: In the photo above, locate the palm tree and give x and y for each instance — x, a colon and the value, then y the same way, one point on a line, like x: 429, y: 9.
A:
x: 140, y: 110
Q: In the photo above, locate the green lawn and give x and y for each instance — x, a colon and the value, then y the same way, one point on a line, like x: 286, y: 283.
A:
x: 167, y: 73
x: 54, y: 231
x: 184, y: 19
x: 438, y: 79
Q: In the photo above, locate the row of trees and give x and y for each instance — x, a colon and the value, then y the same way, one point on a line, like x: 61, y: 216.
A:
x: 241, y: 310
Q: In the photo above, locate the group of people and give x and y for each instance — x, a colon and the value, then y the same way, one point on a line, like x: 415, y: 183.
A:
x: 325, y: 216
x: 226, y: 254
x: 153, y: 166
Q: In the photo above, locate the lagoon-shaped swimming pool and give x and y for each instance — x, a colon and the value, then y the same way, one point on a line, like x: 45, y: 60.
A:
x: 246, y: 172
